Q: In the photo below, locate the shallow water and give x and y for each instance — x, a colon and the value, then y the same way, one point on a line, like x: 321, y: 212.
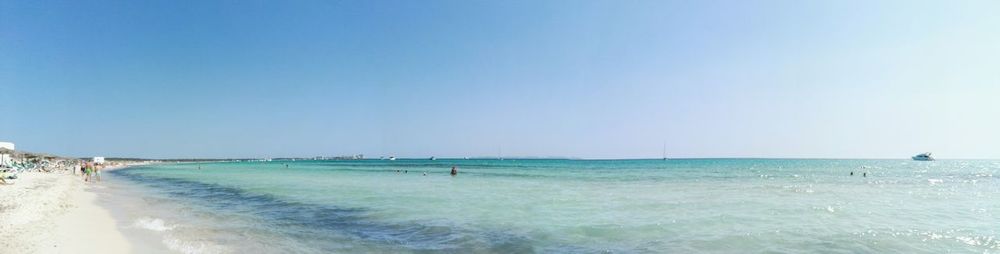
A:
x: 564, y: 206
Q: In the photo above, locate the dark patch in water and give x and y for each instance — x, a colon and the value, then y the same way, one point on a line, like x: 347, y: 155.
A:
x: 321, y: 222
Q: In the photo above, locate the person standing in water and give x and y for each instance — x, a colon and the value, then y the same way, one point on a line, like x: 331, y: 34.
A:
x: 97, y: 172
x: 454, y: 170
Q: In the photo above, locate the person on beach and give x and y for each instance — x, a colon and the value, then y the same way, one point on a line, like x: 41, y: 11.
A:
x: 97, y: 173
x: 87, y: 171
x: 3, y: 177
x: 454, y: 170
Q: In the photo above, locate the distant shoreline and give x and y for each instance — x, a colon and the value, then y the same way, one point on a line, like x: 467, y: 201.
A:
x: 516, y: 158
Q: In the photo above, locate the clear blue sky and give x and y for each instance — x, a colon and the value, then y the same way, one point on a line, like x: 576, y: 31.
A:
x: 591, y: 79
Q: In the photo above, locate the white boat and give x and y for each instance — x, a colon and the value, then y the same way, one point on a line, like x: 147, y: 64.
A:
x: 392, y: 158
x: 923, y: 157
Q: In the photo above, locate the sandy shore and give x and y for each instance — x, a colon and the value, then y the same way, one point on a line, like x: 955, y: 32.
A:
x: 56, y: 213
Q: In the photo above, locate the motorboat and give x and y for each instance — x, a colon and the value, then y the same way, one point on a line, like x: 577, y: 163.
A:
x: 923, y: 157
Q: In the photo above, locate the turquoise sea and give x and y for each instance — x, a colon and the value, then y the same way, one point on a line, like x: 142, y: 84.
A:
x: 561, y: 206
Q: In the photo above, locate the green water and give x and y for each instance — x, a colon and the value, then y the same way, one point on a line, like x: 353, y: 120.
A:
x: 571, y: 206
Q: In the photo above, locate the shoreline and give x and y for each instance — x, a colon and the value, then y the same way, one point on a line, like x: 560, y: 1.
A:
x: 58, y: 213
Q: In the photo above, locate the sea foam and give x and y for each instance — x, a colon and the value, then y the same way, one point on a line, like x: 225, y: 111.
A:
x: 191, y: 247
x: 153, y: 224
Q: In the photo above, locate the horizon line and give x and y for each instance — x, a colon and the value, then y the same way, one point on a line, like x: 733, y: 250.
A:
x: 534, y: 158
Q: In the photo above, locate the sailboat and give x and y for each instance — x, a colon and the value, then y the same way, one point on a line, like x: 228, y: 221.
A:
x: 664, y: 151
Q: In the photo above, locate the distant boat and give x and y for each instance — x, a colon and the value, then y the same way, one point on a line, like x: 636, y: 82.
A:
x: 433, y: 159
x: 664, y: 150
x: 392, y: 158
x: 923, y: 157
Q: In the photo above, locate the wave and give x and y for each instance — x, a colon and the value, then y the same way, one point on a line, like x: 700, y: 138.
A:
x: 154, y: 224
x: 192, y: 247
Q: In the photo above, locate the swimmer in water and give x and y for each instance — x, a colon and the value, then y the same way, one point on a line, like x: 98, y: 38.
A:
x: 454, y: 171
x: 852, y: 173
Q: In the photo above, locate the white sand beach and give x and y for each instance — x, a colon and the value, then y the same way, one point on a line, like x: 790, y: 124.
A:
x: 56, y: 213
